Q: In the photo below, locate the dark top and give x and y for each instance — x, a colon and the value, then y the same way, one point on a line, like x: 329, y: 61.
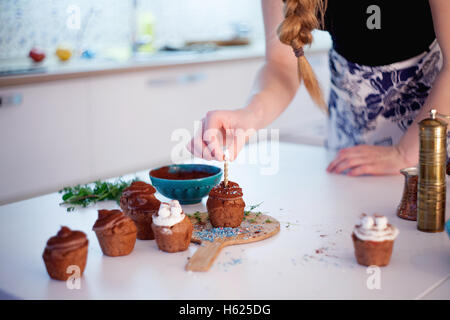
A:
x: 406, y: 30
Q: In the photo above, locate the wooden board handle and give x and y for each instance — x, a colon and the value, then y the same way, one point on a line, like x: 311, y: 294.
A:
x: 204, y: 256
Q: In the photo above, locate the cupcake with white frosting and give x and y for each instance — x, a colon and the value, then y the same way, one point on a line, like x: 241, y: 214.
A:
x: 171, y: 227
x: 373, y: 239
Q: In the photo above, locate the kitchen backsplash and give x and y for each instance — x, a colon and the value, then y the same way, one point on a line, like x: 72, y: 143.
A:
x: 108, y: 24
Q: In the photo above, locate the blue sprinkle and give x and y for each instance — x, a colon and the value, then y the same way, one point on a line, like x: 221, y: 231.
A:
x: 218, y: 233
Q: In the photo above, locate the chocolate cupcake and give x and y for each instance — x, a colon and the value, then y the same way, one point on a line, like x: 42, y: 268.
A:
x: 373, y: 239
x: 225, y: 205
x: 172, y: 228
x: 67, y: 248
x: 115, y: 232
x: 139, y: 203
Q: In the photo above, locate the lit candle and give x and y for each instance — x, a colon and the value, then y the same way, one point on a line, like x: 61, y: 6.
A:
x: 226, y: 156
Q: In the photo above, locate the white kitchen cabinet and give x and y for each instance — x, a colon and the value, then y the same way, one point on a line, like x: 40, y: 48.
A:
x: 44, y: 138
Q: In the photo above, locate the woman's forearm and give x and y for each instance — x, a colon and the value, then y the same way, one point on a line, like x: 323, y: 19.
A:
x: 275, y: 86
x: 277, y: 81
x: 438, y: 99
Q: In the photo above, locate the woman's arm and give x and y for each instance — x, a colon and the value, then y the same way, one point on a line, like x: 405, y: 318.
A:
x: 378, y: 160
x: 277, y: 82
x: 275, y: 86
x: 439, y: 97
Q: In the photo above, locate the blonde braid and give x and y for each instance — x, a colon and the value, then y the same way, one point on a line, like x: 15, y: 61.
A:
x: 300, y: 19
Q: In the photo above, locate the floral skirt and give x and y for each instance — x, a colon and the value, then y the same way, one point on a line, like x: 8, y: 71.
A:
x: 376, y: 105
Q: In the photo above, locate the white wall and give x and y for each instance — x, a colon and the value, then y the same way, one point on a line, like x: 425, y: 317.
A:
x: 110, y: 23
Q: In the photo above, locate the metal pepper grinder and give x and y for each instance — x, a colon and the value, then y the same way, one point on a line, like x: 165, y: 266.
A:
x: 431, y: 190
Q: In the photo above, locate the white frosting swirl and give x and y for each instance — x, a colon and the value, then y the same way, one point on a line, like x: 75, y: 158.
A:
x: 169, y: 214
x: 375, y: 228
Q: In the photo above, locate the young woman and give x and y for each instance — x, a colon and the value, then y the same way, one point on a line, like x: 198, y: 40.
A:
x: 389, y: 66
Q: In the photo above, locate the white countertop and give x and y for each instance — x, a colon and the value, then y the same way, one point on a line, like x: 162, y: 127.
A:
x: 22, y: 71
x: 317, y: 211
x: 162, y: 58
x: 52, y: 69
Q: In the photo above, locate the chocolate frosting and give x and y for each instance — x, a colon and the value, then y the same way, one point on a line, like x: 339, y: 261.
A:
x: 108, y: 219
x: 140, y: 196
x: 67, y: 240
x: 230, y: 192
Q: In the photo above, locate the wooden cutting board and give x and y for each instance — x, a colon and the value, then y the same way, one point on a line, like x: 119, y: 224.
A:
x: 255, y: 227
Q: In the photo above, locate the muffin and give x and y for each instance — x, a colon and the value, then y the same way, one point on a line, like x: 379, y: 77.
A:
x: 139, y: 203
x: 225, y: 205
x: 373, y: 239
x: 115, y: 232
x: 172, y: 228
x: 67, y: 248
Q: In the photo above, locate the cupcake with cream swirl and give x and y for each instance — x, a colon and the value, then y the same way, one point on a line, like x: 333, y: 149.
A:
x: 171, y: 227
x: 373, y: 239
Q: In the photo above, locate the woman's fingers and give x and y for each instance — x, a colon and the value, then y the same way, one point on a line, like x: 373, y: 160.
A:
x: 362, y: 170
x: 214, y: 147
x: 341, y: 156
x: 198, y: 147
x: 346, y: 158
x: 212, y: 135
x: 209, y: 139
x: 349, y: 163
x: 200, y: 150
x: 349, y: 158
x: 365, y: 160
x: 220, y: 128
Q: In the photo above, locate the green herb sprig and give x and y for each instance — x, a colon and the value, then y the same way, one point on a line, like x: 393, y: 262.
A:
x: 197, y: 216
x: 251, y: 208
x: 88, y: 194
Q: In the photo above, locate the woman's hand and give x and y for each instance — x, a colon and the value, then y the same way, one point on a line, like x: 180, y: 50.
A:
x: 369, y: 160
x: 222, y: 128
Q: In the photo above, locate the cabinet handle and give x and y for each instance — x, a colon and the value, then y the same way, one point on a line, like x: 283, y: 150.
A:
x: 10, y: 99
x: 178, y: 80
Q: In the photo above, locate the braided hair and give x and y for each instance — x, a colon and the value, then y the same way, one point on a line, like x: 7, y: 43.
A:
x: 300, y: 19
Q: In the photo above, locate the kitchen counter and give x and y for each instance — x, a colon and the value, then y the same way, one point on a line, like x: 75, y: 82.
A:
x: 311, y: 257
x: 23, y: 71
x: 55, y: 70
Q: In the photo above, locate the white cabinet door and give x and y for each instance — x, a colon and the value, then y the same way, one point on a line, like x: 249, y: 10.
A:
x: 44, y: 140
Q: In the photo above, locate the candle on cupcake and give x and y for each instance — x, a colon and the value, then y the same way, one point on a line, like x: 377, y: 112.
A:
x: 226, y: 156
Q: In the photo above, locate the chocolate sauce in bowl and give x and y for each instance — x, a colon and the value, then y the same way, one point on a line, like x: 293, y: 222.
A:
x: 165, y: 173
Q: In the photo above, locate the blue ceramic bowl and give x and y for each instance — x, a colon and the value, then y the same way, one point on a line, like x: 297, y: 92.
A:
x: 186, y: 191
x: 447, y: 227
